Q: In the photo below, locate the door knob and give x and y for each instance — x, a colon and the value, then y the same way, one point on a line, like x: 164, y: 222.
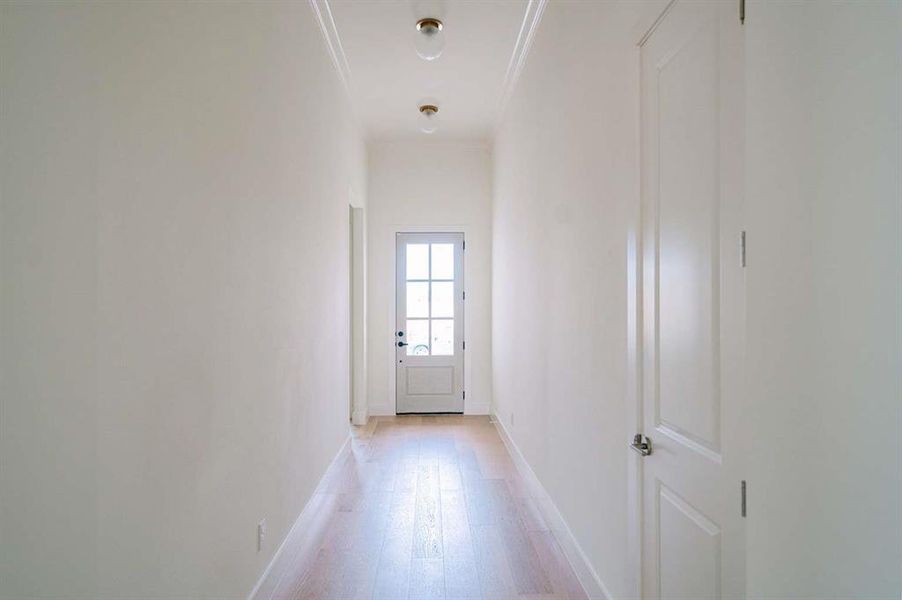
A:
x: 401, y: 344
x: 642, y: 447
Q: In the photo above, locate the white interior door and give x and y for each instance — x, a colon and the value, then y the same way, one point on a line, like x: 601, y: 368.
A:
x: 692, y: 303
x: 429, y: 327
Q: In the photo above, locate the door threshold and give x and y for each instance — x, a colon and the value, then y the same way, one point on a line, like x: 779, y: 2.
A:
x: 405, y: 414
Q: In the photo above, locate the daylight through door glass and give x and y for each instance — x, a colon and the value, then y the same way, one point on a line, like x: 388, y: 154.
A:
x: 417, y: 337
x: 442, y: 261
x: 430, y: 299
x: 417, y: 261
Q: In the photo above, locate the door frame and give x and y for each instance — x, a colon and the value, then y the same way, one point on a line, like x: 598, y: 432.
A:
x: 357, y: 333
x: 391, y: 241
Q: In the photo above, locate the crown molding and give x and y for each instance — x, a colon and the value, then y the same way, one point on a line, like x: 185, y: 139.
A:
x: 531, y: 19
x: 333, y: 41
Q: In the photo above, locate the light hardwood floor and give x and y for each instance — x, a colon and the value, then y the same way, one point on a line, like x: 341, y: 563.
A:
x: 425, y: 507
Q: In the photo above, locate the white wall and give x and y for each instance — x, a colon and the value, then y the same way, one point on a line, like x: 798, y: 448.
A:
x: 824, y: 215
x: 418, y: 186
x: 173, y: 250
x: 565, y: 186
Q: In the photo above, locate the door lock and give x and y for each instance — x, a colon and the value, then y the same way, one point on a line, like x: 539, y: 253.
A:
x: 640, y: 446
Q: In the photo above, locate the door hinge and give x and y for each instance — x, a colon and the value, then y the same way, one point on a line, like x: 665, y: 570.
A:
x: 464, y: 295
x: 742, y: 12
x: 742, y: 502
x: 465, y: 245
x: 465, y: 394
x: 465, y: 344
x: 742, y: 248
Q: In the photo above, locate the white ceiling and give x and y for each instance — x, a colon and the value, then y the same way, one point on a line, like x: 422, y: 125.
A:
x: 387, y: 80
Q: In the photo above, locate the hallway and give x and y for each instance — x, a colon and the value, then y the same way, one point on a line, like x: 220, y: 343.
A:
x: 451, y: 299
x: 423, y: 507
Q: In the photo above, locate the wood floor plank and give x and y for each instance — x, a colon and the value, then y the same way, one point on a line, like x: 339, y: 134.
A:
x: 527, y: 570
x: 489, y: 502
x: 393, y: 574
x: 427, y: 534
x: 529, y: 514
x: 407, y: 474
x: 461, y: 572
x: 427, y: 579
x: 494, y: 573
x: 449, y: 474
x: 563, y: 579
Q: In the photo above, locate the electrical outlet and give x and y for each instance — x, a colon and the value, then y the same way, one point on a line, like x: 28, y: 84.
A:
x: 261, y: 533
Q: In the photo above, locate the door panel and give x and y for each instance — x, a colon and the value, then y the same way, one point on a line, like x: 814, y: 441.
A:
x: 429, y: 323
x: 688, y: 398
x: 430, y: 380
x: 692, y: 308
x: 689, y: 549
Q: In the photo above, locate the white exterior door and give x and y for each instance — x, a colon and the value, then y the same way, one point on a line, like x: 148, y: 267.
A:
x: 692, y: 303
x: 429, y: 327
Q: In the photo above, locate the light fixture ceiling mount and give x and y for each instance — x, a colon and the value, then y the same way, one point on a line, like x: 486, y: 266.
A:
x: 430, y: 41
x: 428, y: 119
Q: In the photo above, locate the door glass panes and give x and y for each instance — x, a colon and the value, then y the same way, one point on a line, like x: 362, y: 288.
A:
x: 443, y: 299
x: 418, y: 261
x: 417, y: 299
x: 417, y: 337
x: 442, y: 337
x: 442, y: 261
x: 430, y: 299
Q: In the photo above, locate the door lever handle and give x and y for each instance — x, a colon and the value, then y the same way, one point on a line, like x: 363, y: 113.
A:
x: 640, y: 446
x: 402, y: 344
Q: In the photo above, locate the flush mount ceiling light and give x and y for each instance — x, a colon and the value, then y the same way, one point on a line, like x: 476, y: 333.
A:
x: 430, y: 40
x: 428, y: 119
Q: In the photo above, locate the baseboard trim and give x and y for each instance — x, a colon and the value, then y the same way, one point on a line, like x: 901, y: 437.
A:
x: 305, y: 516
x: 586, y: 574
x: 360, y: 417
x: 382, y: 410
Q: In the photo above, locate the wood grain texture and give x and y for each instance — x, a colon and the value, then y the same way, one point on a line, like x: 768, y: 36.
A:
x: 426, y: 508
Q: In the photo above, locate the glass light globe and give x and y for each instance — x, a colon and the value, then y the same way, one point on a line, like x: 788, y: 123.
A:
x: 428, y: 119
x: 430, y: 40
